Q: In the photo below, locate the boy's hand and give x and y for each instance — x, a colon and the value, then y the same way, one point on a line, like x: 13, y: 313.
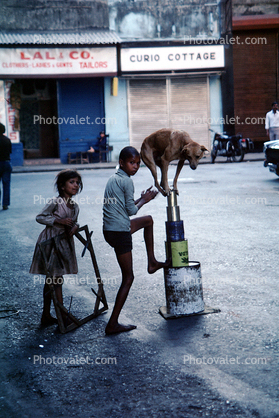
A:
x: 145, y: 197
x: 149, y: 194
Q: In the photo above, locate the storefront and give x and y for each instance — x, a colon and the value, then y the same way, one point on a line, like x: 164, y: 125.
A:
x: 256, y: 75
x: 52, y: 98
x: 177, y: 87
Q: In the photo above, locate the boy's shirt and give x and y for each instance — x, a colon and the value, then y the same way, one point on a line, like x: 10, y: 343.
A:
x: 119, y: 202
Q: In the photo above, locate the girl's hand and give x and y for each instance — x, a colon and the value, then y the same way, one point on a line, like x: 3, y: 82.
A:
x: 65, y: 221
x: 73, y: 230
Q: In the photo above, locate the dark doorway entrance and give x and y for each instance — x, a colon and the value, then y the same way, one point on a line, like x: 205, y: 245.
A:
x: 38, y: 114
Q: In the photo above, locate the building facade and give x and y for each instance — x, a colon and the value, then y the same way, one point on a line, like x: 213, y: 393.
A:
x: 57, y: 61
x: 174, y: 65
x: 69, y: 71
x: 255, y: 64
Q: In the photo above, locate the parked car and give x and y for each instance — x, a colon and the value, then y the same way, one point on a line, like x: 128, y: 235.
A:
x: 271, y: 150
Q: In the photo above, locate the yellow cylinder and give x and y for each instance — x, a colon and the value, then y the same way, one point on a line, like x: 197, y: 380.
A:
x: 114, y: 86
x: 179, y: 253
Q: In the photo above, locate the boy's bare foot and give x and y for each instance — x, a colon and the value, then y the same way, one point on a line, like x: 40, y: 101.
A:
x: 119, y: 328
x: 152, y: 268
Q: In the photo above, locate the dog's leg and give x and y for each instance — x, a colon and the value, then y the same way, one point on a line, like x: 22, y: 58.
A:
x: 178, y: 169
x: 164, y: 180
x: 158, y: 162
x: 152, y: 167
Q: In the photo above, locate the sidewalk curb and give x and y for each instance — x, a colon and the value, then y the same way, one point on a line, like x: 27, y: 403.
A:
x: 58, y: 167
x: 37, y: 168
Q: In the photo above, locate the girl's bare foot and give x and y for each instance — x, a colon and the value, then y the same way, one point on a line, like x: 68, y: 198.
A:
x: 119, y: 328
x: 67, y: 320
x: 153, y: 267
x: 48, y: 320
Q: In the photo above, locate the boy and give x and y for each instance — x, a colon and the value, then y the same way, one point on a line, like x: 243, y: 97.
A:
x: 118, y: 228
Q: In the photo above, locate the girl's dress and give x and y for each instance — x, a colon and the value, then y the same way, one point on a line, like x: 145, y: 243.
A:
x: 62, y: 255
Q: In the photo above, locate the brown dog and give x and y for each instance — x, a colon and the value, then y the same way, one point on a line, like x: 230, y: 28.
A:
x: 164, y: 146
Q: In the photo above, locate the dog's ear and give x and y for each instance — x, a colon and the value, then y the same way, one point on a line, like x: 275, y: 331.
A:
x: 203, y: 148
x: 185, y: 149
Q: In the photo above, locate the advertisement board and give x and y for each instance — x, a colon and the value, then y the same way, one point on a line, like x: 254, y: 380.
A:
x: 172, y: 58
x: 58, y: 61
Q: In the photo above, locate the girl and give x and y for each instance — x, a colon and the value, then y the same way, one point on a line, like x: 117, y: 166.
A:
x: 59, y: 216
x: 118, y: 207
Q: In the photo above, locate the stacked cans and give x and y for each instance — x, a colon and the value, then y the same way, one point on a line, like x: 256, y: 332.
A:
x: 176, y: 244
x: 183, y: 285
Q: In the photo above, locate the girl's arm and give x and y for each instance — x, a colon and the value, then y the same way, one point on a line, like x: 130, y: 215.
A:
x: 73, y: 230
x: 71, y: 223
x: 75, y: 227
x: 46, y: 217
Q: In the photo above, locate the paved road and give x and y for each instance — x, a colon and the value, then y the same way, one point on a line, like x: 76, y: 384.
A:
x: 218, y: 365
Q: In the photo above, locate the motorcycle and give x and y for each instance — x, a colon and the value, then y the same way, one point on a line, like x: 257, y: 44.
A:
x: 233, y: 147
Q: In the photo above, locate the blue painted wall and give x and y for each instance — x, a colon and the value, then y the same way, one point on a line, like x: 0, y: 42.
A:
x: 17, y: 154
x: 215, y: 99
x: 81, y: 113
x: 116, y: 110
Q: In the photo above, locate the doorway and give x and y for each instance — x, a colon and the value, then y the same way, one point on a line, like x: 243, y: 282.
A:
x: 38, y: 113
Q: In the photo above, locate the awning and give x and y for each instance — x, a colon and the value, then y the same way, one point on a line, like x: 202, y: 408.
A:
x: 96, y: 37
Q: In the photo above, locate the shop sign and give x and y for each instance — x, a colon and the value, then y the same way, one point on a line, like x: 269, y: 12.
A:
x: 172, y: 58
x: 58, y: 61
x: 2, y: 104
x: 11, y: 114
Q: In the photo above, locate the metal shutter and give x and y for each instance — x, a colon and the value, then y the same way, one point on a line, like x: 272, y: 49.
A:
x: 177, y: 103
x: 189, y: 108
x: 147, y: 102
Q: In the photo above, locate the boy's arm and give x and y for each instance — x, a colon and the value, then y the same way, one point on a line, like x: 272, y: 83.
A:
x: 146, y: 197
x: 142, y: 193
x: 137, y: 201
x: 130, y: 205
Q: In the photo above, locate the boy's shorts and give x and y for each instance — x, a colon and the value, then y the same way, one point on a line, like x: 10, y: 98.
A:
x: 121, y: 241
